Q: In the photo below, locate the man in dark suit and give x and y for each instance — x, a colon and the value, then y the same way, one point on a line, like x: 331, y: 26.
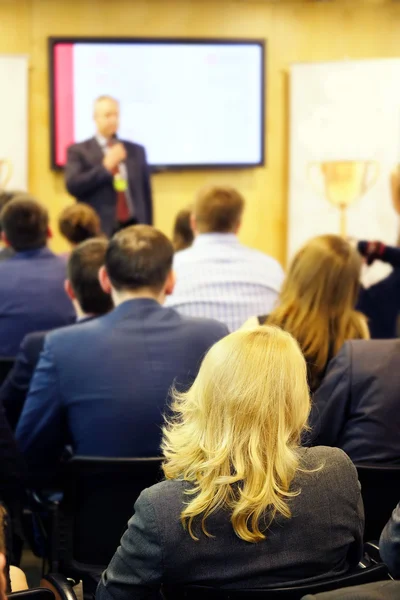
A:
x: 32, y: 294
x: 110, y: 175
x: 102, y: 386
x: 89, y: 301
x: 356, y: 408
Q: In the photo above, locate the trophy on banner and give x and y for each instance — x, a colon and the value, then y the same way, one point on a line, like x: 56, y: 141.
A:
x: 5, y: 172
x: 342, y: 182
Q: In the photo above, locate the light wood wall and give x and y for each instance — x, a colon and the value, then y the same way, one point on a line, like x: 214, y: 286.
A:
x: 296, y: 31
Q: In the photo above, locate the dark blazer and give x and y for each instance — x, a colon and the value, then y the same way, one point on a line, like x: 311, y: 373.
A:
x: 323, y: 537
x: 102, y: 386
x: 90, y: 182
x: 356, y: 408
x: 32, y: 297
x: 15, y: 388
x: 379, y: 590
x: 389, y: 544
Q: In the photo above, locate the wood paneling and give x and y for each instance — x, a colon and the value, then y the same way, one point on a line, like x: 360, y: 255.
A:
x: 296, y: 32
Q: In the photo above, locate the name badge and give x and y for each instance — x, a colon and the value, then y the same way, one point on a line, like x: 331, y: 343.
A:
x: 120, y: 183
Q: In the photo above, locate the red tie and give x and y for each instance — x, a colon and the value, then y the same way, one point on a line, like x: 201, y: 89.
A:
x: 122, y: 211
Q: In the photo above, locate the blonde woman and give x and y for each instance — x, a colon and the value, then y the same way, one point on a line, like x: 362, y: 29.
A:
x: 317, y: 302
x: 243, y: 505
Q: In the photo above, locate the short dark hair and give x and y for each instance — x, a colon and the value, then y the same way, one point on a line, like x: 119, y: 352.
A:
x: 25, y: 223
x: 79, y: 222
x: 183, y: 235
x: 218, y: 209
x: 137, y: 257
x: 83, y: 273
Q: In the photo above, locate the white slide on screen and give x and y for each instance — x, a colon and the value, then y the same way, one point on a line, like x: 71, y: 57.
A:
x: 188, y: 104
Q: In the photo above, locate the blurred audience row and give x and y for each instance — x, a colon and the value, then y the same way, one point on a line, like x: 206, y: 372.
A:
x: 99, y: 337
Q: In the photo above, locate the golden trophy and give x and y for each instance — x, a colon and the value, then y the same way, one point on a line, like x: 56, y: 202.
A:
x: 6, y: 171
x: 342, y: 182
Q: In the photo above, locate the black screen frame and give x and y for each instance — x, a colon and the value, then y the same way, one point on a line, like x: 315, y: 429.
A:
x: 53, y: 41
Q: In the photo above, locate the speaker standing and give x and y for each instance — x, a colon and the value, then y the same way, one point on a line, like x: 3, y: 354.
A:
x: 110, y: 174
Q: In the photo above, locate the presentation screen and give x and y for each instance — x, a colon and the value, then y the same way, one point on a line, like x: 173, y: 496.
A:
x: 190, y: 103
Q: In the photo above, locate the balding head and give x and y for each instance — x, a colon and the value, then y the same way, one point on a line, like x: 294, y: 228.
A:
x: 106, y: 116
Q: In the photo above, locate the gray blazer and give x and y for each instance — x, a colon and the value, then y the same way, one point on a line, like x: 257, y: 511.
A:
x: 356, y: 408
x: 323, y: 538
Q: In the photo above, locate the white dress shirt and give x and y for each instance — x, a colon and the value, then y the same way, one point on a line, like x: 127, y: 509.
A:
x: 103, y: 143
x: 220, y: 278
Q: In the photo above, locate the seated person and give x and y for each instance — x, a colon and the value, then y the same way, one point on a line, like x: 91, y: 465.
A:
x: 5, y: 198
x: 78, y: 223
x: 389, y: 544
x: 32, y: 294
x: 381, y: 301
x: 244, y: 505
x: 356, y: 407
x: 183, y: 236
x: 317, y: 302
x: 218, y: 277
x: 89, y: 301
x: 102, y: 386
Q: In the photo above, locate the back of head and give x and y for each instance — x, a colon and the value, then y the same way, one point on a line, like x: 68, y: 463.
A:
x: 6, y: 196
x: 25, y: 223
x: 183, y: 234
x: 318, y: 297
x: 84, y: 264
x: 218, y: 210
x: 239, y: 426
x: 79, y: 222
x: 139, y: 257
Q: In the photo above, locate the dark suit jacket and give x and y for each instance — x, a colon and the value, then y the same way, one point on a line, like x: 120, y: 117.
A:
x: 32, y: 297
x: 356, y: 408
x: 389, y: 544
x: 323, y: 537
x: 102, y: 386
x: 90, y: 182
x: 380, y: 590
x: 15, y: 388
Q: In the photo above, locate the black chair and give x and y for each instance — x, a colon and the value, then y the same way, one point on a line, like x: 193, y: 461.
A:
x: 55, y: 587
x: 6, y: 364
x: 380, y: 489
x: 194, y: 592
x: 99, y: 495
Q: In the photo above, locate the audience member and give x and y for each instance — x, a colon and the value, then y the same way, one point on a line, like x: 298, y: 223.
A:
x: 237, y: 474
x: 356, y: 407
x: 183, y: 235
x: 102, y: 386
x: 389, y: 544
x: 381, y: 301
x: 317, y: 301
x: 89, y: 300
x: 218, y: 277
x: 5, y: 198
x: 78, y: 223
x: 32, y: 280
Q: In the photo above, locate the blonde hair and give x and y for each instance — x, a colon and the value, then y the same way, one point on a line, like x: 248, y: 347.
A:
x: 236, y: 432
x: 218, y: 209
x: 317, y: 301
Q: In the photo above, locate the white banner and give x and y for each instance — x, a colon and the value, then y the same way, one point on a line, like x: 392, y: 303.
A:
x: 344, y: 145
x: 14, y: 122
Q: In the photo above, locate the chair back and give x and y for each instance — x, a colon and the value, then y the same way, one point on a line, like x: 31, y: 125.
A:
x: 6, y: 364
x: 99, y: 496
x: 33, y: 594
x: 380, y: 489
x: 194, y: 592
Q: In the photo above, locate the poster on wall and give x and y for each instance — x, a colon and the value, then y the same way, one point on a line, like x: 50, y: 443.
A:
x: 344, y: 148
x: 13, y: 122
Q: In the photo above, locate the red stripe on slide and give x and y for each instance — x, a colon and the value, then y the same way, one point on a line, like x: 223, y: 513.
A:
x: 63, y: 100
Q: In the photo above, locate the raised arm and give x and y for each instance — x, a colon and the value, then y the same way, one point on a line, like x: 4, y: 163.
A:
x: 80, y: 180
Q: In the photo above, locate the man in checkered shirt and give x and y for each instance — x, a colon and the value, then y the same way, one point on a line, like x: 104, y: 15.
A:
x: 218, y: 277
